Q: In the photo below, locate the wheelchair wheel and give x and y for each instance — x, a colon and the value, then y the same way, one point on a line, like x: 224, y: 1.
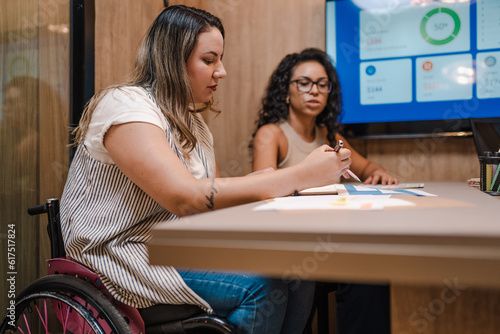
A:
x: 63, y: 304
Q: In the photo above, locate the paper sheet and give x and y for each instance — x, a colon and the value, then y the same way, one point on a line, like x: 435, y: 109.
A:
x: 332, y: 202
x: 346, y: 197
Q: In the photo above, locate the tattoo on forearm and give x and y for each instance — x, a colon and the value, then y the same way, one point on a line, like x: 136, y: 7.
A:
x: 213, y: 191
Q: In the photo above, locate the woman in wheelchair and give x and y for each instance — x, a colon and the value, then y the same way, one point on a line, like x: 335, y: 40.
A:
x: 145, y: 155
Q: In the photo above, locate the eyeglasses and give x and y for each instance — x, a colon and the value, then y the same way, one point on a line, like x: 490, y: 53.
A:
x: 305, y: 85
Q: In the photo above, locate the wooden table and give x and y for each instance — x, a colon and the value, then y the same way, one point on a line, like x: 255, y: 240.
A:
x: 441, y: 256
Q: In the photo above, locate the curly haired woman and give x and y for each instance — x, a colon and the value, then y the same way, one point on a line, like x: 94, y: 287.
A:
x: 300, y: 112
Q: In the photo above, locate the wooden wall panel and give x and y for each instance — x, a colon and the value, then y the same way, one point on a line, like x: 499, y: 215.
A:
x: 450, y: 308
x: 424, y: 159
x: 119, y: 28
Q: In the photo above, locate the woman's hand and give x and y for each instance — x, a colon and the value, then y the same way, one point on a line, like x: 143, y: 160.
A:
x: 324, y: 166
x: 365, y: 169
x: 380, y: 176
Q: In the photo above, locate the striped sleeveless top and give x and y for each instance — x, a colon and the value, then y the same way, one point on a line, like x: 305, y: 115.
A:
x: 106, y: 222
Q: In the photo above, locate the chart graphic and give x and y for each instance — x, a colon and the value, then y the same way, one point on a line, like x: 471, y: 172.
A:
x: 440, y: 21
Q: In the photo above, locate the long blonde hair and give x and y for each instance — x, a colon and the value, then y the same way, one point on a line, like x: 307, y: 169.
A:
x: 161, y: 67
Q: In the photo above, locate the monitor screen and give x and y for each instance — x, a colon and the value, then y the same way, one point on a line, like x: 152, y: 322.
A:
x: 413, y: 67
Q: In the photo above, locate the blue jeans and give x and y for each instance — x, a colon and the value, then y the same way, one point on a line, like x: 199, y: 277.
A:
x: 256, y: 305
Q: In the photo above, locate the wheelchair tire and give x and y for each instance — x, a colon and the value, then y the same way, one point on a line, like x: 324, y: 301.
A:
x: 68, y: 303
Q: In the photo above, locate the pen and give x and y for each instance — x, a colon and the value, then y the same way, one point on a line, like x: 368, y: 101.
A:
x: 337, y: 147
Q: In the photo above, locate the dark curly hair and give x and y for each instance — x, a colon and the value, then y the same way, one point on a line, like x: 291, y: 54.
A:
x: 274, y: 106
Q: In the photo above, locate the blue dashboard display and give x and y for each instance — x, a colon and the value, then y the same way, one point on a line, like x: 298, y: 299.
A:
x: 415, y: 66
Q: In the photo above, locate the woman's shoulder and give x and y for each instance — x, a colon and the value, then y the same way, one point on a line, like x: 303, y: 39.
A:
x: 126, y: 104
x: 270, y: 129
x: 126, y: 94
x: 271, y: 135
x: 120, y: 99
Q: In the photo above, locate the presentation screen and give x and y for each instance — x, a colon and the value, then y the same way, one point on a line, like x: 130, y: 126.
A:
x: 415, y: 66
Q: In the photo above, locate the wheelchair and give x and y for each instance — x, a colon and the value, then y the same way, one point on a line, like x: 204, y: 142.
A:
x: 72, y: 299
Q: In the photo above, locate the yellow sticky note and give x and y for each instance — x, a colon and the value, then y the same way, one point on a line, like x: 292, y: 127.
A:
x: 341, y: 201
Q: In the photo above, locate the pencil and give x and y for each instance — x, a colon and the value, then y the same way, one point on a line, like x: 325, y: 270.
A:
x: 353, y: 175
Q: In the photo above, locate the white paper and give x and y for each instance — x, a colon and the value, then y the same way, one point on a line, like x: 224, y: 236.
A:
x: 332, y: 202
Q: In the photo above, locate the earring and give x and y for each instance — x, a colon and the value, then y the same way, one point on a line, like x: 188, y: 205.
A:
x: 287, y: 101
